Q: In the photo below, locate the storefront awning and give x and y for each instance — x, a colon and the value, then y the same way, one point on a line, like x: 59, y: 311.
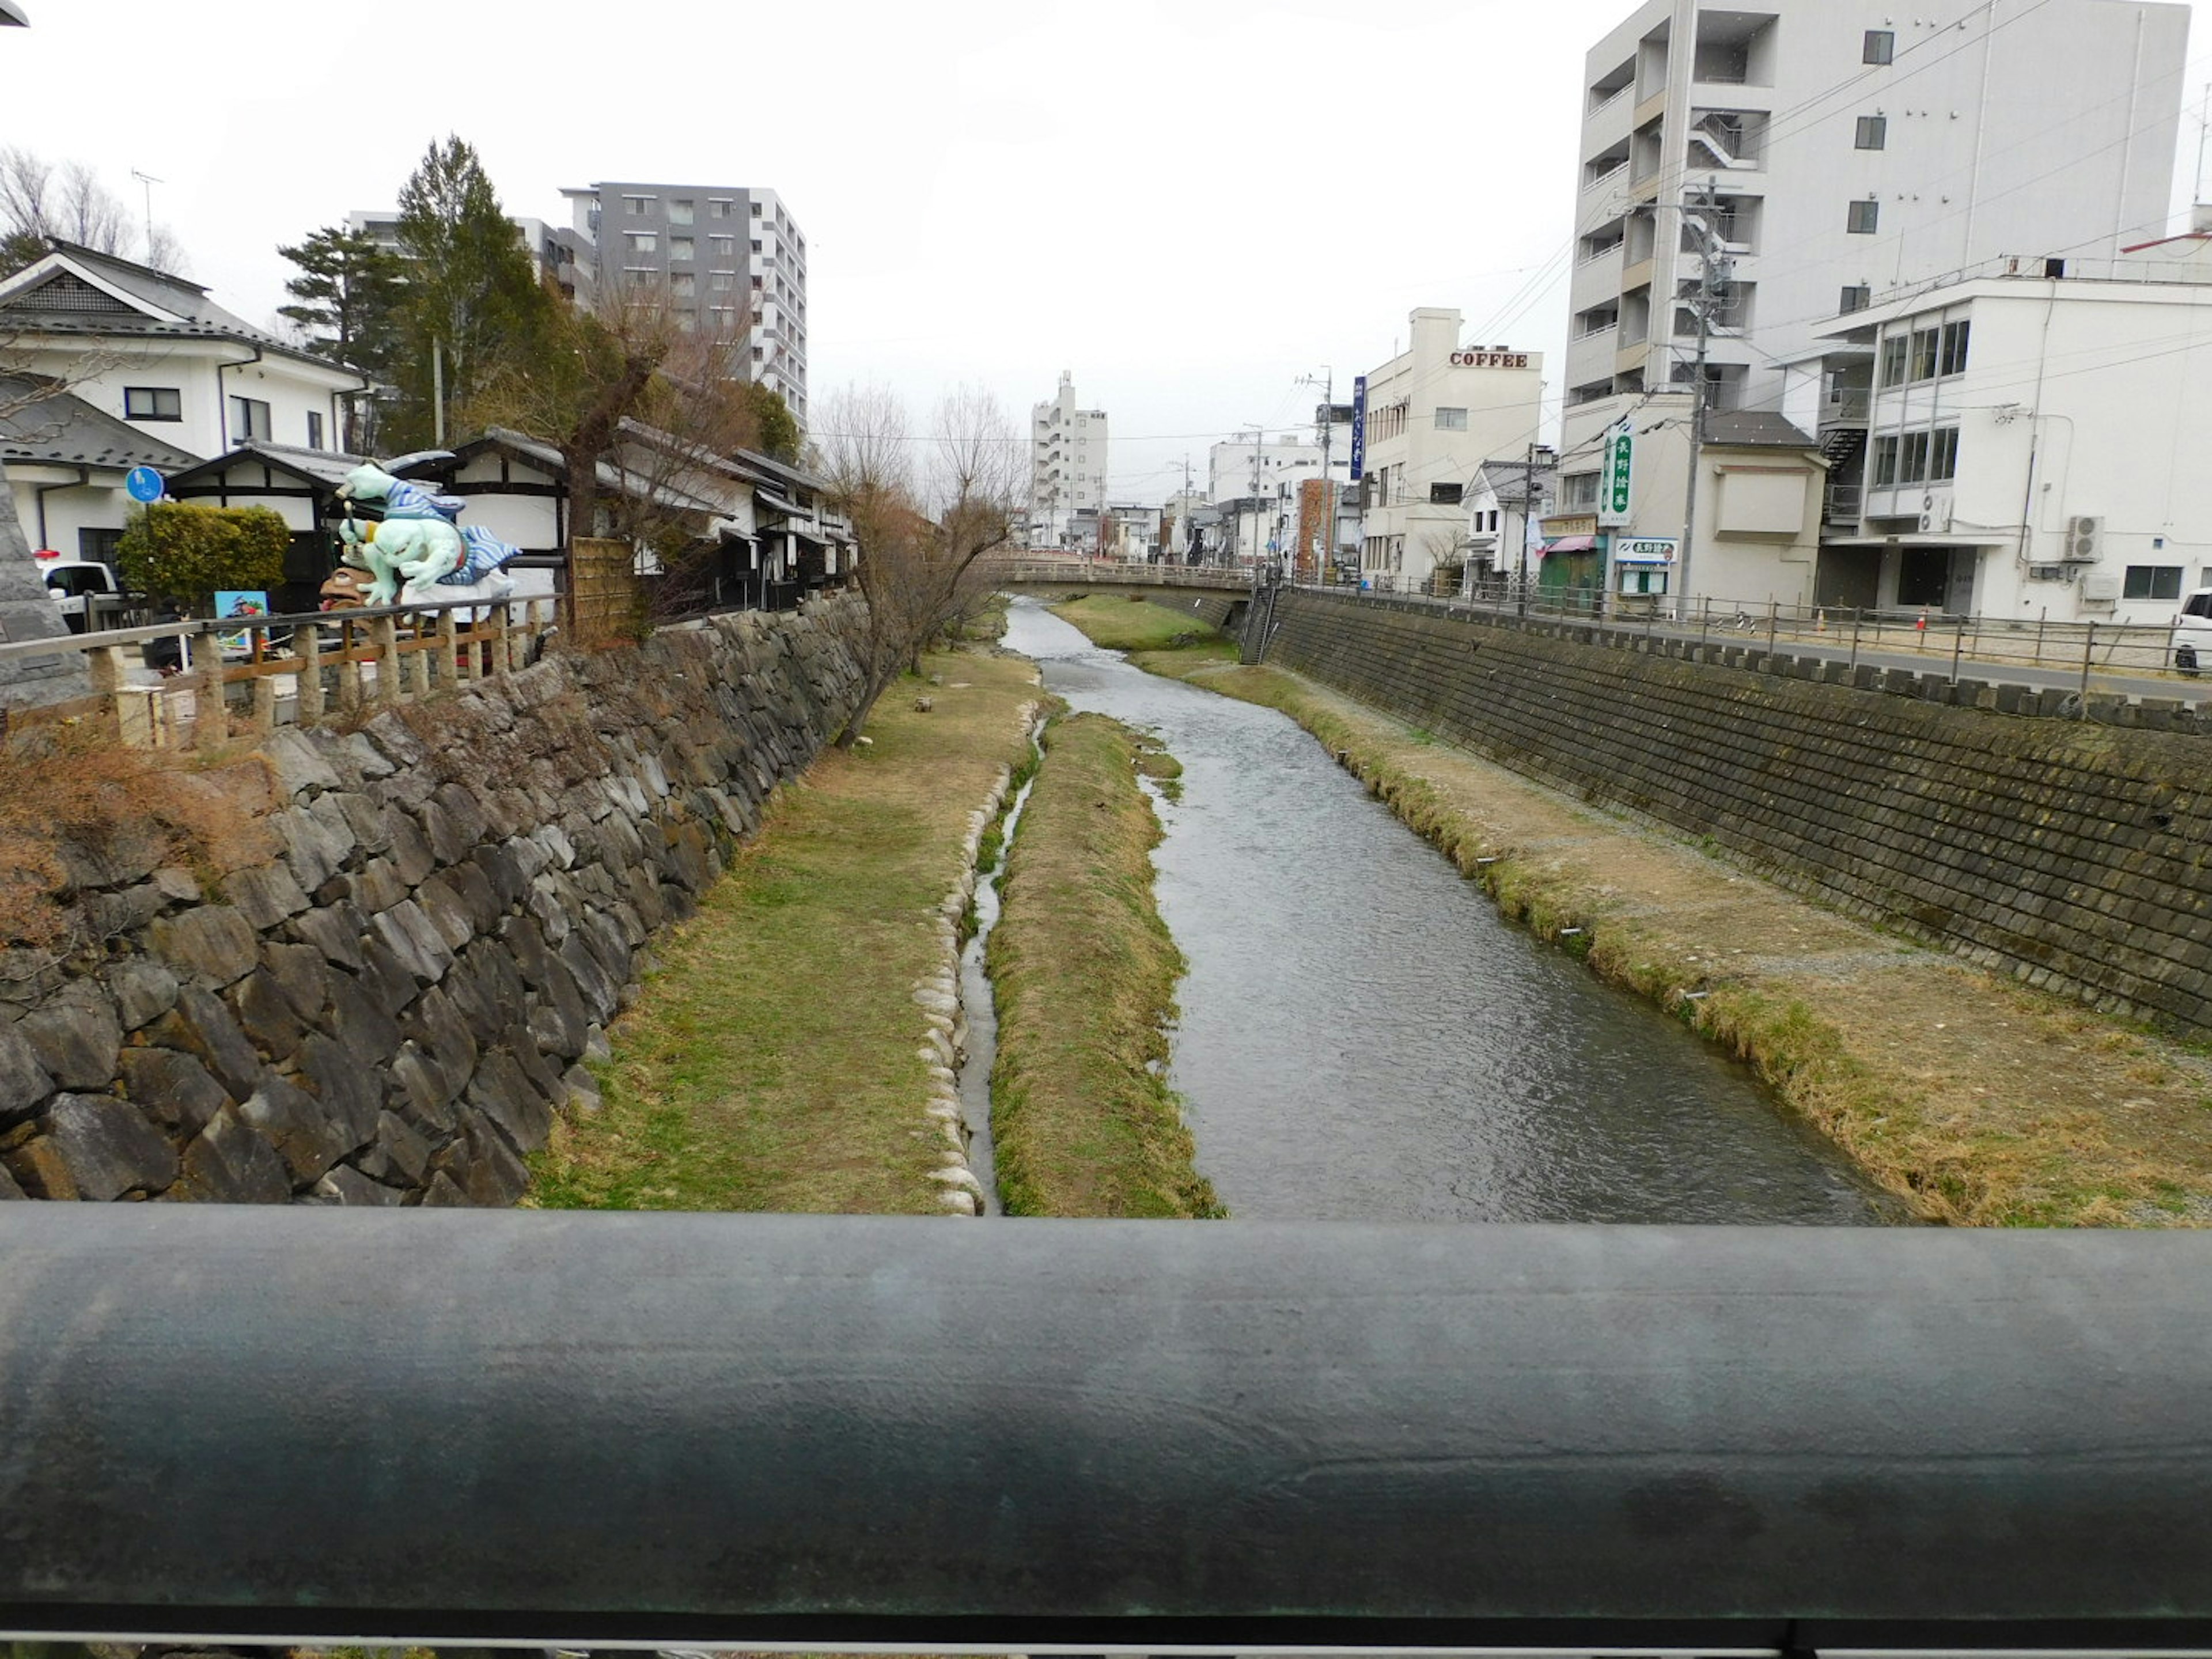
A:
x: 1570, y: 544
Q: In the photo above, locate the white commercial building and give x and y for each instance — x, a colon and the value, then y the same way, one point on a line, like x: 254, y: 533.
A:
x: 1435, y: 413
x: 1817, y: 151
x: 1067, y: 467
x: 2034, y: 442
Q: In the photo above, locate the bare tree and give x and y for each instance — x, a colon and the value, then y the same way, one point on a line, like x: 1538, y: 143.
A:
x: 923, y: 514
x: 39, y: 200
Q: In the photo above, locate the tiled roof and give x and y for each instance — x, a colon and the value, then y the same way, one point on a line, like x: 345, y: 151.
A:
x: 1752, y: 428
x: 61, y: 427
x: 327, y: 467
x: 60, y: 301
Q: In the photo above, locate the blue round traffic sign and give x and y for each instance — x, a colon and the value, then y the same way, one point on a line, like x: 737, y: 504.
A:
x: 143, y: 484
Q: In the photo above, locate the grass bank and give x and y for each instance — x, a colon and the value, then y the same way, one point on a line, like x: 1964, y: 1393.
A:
x: 1126, y: 621
x: 1084, y: 973
x: 774, y: 1062
x: 1977, y: 1100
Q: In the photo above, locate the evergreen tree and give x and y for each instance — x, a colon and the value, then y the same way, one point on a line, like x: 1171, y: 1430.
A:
x: 472, y: 291
x: 779, y: 429
x: 350, y: 291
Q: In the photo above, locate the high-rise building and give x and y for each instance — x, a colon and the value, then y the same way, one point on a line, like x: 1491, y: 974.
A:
x: 731, y: 258
x: 1781, y: 164
x: 1067, y: 467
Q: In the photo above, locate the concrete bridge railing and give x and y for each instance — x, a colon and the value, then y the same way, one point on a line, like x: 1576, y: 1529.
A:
x: 696, y: 1431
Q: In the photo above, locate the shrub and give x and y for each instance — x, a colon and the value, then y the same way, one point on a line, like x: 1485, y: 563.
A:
x: 174, y: 550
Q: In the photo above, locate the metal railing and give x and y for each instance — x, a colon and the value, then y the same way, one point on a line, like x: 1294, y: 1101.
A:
x: 730, y: 1431
x: 287, y: 670
x: 2084, y: 657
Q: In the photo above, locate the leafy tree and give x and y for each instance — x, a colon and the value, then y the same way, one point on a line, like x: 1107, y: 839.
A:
x: 470, y: 290
x: 779, y: 439
x: 349, y: 290
x: 179, y: 550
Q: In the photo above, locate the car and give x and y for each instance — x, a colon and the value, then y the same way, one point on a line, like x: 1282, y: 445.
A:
x: 73, y: 584
x: 2192, y: 632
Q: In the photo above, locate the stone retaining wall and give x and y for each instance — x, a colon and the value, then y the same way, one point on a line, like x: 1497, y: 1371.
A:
x: 2075, y: 856
x: 386, y: 999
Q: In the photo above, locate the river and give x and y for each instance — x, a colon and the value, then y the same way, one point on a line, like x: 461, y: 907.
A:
x: 1363, y: 1038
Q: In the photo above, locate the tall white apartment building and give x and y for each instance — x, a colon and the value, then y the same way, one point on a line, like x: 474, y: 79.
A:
x: 1822, y: 151
x: 1067, y: 466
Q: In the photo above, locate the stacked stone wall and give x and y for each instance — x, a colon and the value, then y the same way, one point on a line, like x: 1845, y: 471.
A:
x: 2076, y: 854
x: 383, y: 993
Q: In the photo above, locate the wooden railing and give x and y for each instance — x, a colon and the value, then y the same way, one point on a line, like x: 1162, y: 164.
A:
x: 291, y: 673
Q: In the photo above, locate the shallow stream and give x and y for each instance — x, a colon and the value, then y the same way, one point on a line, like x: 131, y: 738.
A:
x: 1363, y: 1038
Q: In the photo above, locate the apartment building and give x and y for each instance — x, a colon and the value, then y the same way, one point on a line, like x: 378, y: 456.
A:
x: 553, y: 248
x: 732, y: 260
x: 1816, y: 152
x: 1435, y: 413
x: 1067, y: 469
x: 2030, y: 435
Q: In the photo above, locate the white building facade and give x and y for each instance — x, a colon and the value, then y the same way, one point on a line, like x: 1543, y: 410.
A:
x: 1067, y: 467
x: 1819, y: 151
x: 2033, y: 445
x: 1435, y: 413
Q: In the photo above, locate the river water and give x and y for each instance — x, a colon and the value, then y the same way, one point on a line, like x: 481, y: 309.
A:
x: 1363, y: 1038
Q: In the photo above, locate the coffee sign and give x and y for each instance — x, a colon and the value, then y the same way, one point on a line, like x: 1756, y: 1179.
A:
x: 1490, y: 359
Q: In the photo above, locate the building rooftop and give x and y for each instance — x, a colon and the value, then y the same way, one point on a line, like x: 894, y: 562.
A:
x: 53, y: 425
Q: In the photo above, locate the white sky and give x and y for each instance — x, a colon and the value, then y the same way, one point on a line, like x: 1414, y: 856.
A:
x: 1189, y: 205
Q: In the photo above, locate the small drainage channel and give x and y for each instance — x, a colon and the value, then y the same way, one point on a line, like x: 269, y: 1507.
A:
x: 980, y: 1009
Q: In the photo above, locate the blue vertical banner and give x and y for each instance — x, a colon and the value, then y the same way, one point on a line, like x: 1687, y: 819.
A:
x: 1358, y: 429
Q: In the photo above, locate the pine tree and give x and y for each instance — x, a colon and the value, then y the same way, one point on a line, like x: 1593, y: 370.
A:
x: 350, y: 291
x: 472, y: 291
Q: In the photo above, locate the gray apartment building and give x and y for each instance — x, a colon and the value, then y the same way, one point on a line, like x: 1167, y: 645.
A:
x: 731, y: 258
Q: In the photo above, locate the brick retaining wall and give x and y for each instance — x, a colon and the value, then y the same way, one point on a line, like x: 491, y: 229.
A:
x: 2072, y: 854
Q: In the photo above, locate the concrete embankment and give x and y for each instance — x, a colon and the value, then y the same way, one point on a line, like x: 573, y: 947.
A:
x: 1978, y: 1099
x: 365, y: 970
x: 1084, y: 974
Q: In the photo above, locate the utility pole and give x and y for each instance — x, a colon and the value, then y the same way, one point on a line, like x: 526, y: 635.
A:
x: 1714, y: 271
x: 1327, y: 552
x: 1257, y: 434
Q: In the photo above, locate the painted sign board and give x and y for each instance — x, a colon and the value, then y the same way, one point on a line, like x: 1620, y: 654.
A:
x: 1645, y: 549
x: 1616, y: 480
x: 1359, y: 428
x: 1490, y: 359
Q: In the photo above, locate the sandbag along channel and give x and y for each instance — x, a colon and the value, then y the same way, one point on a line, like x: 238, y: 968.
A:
x: 1363, y: 1038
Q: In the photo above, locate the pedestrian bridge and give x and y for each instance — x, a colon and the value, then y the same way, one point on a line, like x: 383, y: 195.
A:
x: 470, y: 1427
x: 1035, y: 571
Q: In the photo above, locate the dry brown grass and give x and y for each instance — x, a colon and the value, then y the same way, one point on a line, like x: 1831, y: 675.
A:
x: 75, y: 805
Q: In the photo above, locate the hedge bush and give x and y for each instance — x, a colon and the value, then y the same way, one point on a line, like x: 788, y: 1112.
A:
x: 178, y: 551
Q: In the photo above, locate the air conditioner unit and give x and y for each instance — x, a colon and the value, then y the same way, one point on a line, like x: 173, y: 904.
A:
x: 2083, y: 535
x: 1935, y: 512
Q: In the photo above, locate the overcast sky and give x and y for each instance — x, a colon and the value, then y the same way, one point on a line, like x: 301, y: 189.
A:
x: 1189, y: 203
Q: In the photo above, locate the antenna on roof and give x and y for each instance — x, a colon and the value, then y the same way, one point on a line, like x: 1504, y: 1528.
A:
x: 149, y: 181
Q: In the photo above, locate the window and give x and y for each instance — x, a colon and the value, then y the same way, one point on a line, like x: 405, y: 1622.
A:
x: 1452, y: 420
x: 723, y: 279
x: 722, y: 247
x: 683, y: 285
x: 643, y: 241
x: 1924, y: 353
x: 1881, y: 46
x: 2151, y: 581
x: 1912, y: 458
x: 1954, y: 360
x: 1578, y: 490
x: 1894, y: 349
x: 1444, y: 495
x: 757, y: 283
x: 759, y: 354
x: 1873, y: 132
x: 680, y: 210
x: 249, y: 420
x: 717, y: 207
x: 1856, y: 297
x: 153, y: 402
x: 756, y: 246
x: 1884, y: 462
x: 637, y: 206
x: 682, y: 247
x: 1865, y: 217
x: 314, y: 430
x: 1943, y: 455
x: 756, y: 209
x: 98, y: 546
